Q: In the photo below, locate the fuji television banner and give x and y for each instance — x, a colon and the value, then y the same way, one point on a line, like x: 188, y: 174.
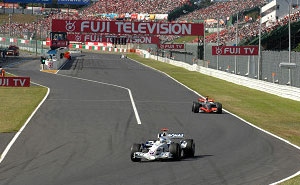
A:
x: 76, y: 2
x: 234, y: 50
x: 171, y: 46
x: 28, y: 1
x: 122, y: 27
x: 107, y: 39
x: 14, y: 81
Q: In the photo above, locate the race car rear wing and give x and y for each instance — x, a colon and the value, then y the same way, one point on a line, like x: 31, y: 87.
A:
x: 174, y: 135
x: 203, y: 100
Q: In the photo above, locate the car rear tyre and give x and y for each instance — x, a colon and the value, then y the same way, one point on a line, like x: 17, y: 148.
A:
x: 135, y: 148
x: 195, y: 107
x: 219, y: 108
x: 174, y: 149
x: 189, y: 150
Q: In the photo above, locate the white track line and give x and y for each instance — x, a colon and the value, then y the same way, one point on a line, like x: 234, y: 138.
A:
x: 267, y: 132
x: 104, y: 83
x: 10, y: 144
x: 62, y: 66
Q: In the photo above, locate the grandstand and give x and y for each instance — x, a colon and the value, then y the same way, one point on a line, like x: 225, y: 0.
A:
x: 221, y: 9
x: 101, y: 10
x: 133, y: 6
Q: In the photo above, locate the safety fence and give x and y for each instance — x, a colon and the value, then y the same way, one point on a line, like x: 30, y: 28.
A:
x: 42, y: 47
x: 247, y: 66
x: 35, y: 46
x: 268, y: 87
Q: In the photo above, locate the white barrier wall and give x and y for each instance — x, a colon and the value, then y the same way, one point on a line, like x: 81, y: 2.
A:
x: 57, y: 60
x: 284, y: 91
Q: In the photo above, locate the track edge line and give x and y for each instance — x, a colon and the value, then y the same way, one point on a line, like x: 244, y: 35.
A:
x: 265, y: 131
x: 13, y: 140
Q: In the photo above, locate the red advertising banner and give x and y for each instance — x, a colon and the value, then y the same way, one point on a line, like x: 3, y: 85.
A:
x: 122, y: 27
x: 234, y: 50
x: 14, y: 81
x: 102, y: 38
x: 9, y: 5
x: 171, y: 46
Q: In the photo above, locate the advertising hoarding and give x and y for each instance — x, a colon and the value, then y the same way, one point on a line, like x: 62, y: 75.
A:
x: 14, y: 81
x: 121, y: 27
x: 74, y: 2
x: 171, y: 46
x: 234, y: 50
x: 28, y: 1
x: 108, y: 39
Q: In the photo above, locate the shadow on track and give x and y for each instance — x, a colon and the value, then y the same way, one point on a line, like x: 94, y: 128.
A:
x: 196, y: 157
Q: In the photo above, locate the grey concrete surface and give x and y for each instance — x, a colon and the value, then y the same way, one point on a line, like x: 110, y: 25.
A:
x: 83, y: 132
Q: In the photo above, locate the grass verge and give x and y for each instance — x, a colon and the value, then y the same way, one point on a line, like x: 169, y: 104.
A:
x: 17, y: 104
x: 278, y: 115
x: 185, y: 39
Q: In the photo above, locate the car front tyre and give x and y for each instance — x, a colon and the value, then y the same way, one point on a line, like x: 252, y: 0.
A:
x: 175, y: 150
x: 195, y: 107
x: 219, y: 108
x: 189, y: 150
x: 135, y: 148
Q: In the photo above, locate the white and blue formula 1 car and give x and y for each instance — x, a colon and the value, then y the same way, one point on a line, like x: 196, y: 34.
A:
x: 163, y: 148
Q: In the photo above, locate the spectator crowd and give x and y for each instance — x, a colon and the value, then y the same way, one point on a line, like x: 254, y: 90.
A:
x: 221, y: 9
x: 224, y: 9
x: 133, y: 6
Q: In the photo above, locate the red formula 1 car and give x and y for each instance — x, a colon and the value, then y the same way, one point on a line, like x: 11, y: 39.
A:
x: 207, y: 105
x: 13, y: 50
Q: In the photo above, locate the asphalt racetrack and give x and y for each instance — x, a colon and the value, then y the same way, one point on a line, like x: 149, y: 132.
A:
x: 82, y: 133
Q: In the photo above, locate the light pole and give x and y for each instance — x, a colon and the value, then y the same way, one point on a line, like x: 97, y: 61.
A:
x: 259, y: 48
x: 236, y: 42
x: 218, y: 42
x: 290, y: 74
x: 9, y: 16
x: 290, y: 47
x: 204, y: 55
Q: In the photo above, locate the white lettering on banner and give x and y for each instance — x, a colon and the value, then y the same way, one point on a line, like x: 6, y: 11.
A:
x: 16, y: 81
x: 119, y: 26
x: 142, y: 29
x: 22, y: 83
x: 251, y: 50
x: 84, y: 24
x: 4, y: 82
x: 151, y: 29
x: 93, y: 28
x: 174, y: 30
x: 107, y: 26
x: 164, y: 27
x: 232, y: 50
x: 127, y: 27
x: 134, y: 31
x: 186, y: 30
x: 147, y: 39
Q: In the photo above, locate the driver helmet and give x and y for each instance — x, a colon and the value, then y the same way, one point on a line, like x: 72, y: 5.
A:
x: 162, y: 140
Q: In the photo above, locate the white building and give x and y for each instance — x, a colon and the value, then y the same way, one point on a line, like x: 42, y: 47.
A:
x: 277, y: 9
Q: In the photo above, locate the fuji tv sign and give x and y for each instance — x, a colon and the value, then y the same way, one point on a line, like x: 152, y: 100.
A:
x: 122, y: 27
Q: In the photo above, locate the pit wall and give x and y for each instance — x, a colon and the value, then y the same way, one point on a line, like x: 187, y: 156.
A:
x: 99, y: 48
x: 57, y: 61
x: 42, y: 47
x: 284, y: 91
